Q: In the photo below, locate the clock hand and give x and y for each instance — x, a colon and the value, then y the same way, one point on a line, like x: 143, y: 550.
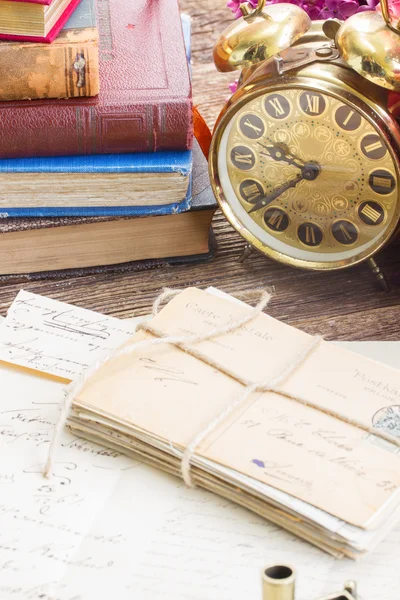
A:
x: 276, y: 193
x: 309, y: 171
x: 277, y: 153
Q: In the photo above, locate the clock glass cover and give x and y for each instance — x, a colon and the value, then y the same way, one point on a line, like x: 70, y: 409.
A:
x: 308, y: 176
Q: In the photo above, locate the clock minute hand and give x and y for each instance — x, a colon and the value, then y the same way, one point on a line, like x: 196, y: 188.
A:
x: 276, y: 193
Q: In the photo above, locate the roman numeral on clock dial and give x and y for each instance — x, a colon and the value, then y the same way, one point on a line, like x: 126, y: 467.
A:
x: 252, y: 126
x: 347, y: 118
x: 312, y: 103
x: 345, y: 232
x: 251, y: 190
x: 372, y: 146
x: 371, y: 213
x: 276, y: 219
x: 310, y: 234
x: 243, y: 158
x: 277, y: 106
x: 382, y: 182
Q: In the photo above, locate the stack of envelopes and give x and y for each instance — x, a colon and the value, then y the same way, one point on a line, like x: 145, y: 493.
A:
x: 318, y: 456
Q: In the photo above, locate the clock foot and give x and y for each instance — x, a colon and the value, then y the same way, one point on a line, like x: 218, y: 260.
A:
x: 379, y: 275
x: 248, y: 249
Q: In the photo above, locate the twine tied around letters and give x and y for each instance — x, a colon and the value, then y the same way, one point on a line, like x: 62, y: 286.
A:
x: 181, y: 341
x: 187, y: 343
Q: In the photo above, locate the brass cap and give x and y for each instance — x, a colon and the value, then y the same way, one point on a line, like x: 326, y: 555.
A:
x: 278, y: 582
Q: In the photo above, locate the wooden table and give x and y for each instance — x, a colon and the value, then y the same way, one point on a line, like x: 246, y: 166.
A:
x: 343, y: 305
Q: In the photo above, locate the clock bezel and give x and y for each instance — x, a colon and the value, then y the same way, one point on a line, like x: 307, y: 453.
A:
x: 368, y: 108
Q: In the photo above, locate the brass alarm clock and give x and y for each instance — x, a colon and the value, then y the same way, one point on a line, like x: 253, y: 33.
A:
x: 304, y: 159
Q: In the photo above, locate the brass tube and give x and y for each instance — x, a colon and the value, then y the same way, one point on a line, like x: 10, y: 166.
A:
x: 394, y: 26
x: 385, y: 11
x: 278, y: 583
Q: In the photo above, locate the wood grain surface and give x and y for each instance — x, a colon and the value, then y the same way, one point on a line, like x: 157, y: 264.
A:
x: 345, y: 305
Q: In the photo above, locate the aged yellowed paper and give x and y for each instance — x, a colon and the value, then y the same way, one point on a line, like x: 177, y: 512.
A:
x: 312, y: 455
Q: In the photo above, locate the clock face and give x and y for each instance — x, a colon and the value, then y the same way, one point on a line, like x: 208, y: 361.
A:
x: 308, y: 176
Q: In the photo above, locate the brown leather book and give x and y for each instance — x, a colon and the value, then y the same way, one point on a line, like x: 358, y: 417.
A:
x: 67, y: 68
x: 144, y: 104
x: 62, y: 246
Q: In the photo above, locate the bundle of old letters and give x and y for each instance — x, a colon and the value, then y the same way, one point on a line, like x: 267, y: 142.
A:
x: 300, y: 431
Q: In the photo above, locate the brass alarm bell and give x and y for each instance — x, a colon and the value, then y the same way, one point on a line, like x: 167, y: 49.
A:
x: 278, y: 583
x: 259, y: 35
x: 369, y: 43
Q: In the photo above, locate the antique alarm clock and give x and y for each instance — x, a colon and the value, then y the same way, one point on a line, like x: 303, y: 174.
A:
x: 304, y: 159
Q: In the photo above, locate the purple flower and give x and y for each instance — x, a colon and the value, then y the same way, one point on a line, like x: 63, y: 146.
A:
x: 339, y: 9
x: 234, y: 5
x: 319, y: 9
x: 312, y: 7
x: 368, y: 5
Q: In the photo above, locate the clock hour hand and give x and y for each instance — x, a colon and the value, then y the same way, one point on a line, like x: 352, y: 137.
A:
x: 277, y: 153
x: 277, y: 192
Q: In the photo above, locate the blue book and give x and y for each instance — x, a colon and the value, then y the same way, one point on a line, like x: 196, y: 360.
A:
x: 98, y: 185
x: 110, y: 185
x: 83, y: 16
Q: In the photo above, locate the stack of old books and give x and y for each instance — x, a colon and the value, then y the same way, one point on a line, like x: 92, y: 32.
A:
x: 96, y: 133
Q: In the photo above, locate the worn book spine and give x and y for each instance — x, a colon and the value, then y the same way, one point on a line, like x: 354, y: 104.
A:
x: 68, y: 68
x: 144, y: 104
x: 61, y: 198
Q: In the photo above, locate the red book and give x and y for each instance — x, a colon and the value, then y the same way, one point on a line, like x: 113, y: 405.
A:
x: 41, y: 21
x: 144, y: 103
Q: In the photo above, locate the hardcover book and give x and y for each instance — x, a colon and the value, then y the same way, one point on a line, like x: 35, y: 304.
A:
x: 34, y: 20
x: 111, y: 184
x: 144, y: 104
x: 51, y: 247
x: 67, y: 68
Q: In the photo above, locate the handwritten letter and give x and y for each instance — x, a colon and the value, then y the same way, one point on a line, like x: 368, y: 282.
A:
x: 57, y: 338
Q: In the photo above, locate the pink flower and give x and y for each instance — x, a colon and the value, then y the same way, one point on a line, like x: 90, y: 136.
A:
x: 233, y: 86
x: 394, y: 8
